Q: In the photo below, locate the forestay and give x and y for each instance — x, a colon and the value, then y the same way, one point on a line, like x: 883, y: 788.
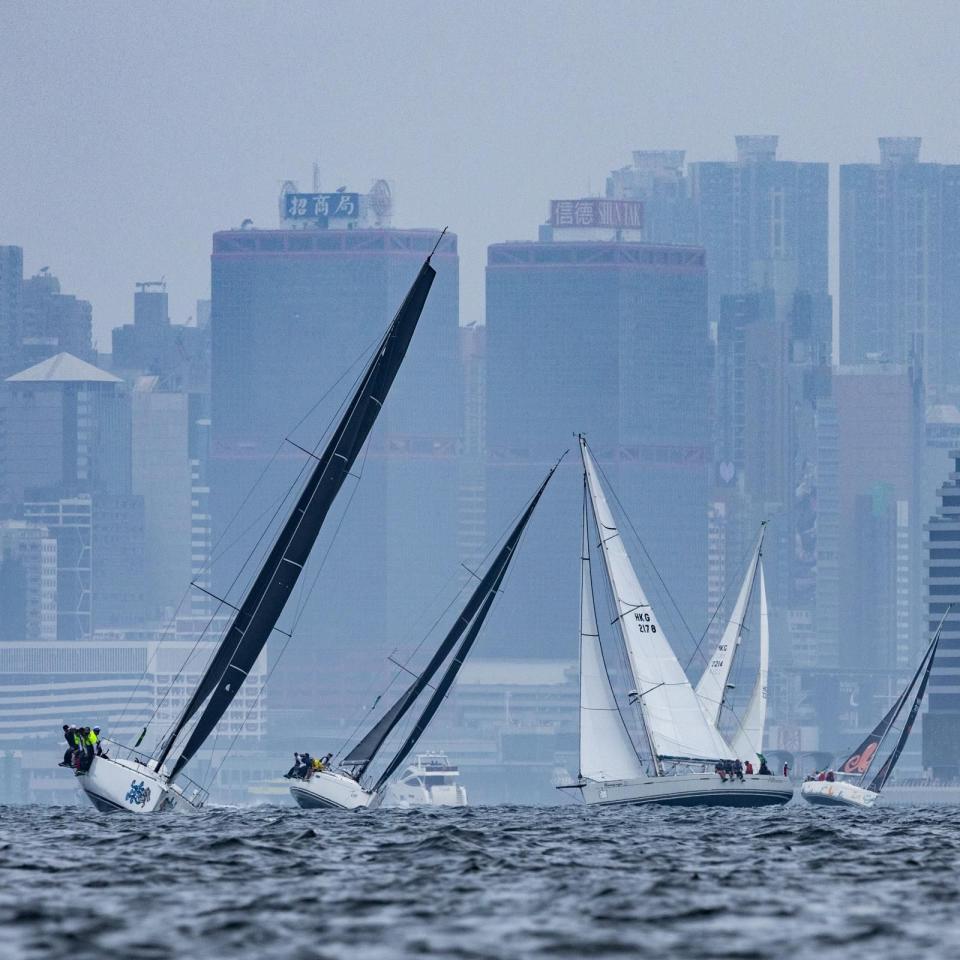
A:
x: 606, y: 750
x: 676, y: 723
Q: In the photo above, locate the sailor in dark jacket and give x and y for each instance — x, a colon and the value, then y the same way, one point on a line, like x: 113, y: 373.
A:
x: 69, y: 734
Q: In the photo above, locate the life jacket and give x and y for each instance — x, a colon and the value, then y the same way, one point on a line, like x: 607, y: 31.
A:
x: 92, y: 739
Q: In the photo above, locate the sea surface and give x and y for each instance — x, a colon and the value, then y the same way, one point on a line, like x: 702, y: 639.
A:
x: 482, y: 882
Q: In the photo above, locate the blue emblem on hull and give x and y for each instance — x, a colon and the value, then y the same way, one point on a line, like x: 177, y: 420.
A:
x: 138, y: 793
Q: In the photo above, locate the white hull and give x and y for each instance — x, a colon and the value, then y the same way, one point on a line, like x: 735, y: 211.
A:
x: 688, y: 790
x: 134, y: 787
x: 330, y: 789
x: 837, y: 793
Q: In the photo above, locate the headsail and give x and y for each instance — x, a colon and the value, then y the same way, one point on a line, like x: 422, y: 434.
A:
x: 606, y: 750
x: 748, y: 739
x: 260, y: 609
x: 486, y: 592
x: 712, y: 686
x: 676, y: 724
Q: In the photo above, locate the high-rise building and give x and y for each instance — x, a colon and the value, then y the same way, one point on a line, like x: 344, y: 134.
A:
x: 11, y: 289
x: 53, y: 322
x: 900, y: 264
x: 870, y: 432
x: 941, y: 724
x: 295, y: 314
x: 28, y: 583
x: 162, y: 474
x: 608, y: 338
x: 176, y: 353
x: 66, y: 424
x: 762, y: 221
x: 100, y: 558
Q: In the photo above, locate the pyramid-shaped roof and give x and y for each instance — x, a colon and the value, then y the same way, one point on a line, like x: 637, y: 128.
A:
x: 63, y: 368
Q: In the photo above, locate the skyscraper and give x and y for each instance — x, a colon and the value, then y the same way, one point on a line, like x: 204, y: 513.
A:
x: 900, y: 264
x: 53, y: 322
x: 11, y: 287
x: 870, y: 432
x: 608, y: 338
x: 941, y: 724
x: 762, y: 221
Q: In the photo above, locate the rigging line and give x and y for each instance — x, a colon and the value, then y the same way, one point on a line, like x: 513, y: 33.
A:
x: 697, y: 650
x: 214, y: 554
x: 413, y: 717
x: 305, y: 595
x: 626, y: 668
x: 296, y: 620
x: 586, y: 520
x: 443, y: 613
x: 646, y: 553
x: 170, y: 625
x: 381, y: 340
x: 219, y: 607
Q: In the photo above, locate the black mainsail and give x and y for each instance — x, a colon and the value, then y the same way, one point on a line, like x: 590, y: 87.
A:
x: 884, y: 772
x: 258, y: 613
x: 470, y: 620
x: 861, y: 760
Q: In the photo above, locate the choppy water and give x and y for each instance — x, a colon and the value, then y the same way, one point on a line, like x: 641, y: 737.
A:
x: 497, y: 882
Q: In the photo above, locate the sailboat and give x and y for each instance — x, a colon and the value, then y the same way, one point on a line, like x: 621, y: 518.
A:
x: 147, y: 783
x: 346, y: 788
x: 680, y: 723
x: 847, y: 789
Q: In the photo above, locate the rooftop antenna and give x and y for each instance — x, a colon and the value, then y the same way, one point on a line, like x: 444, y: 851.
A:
x: 316, y: 175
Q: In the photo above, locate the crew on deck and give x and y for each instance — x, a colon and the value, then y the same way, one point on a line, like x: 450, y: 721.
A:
x: 305, y: 766
x: 83, y: 744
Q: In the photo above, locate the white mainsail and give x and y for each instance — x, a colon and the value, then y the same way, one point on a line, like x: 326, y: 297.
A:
x: 676, y: 723
x: 749, y: 736
x: 606, y: 751
x: 712, y: 686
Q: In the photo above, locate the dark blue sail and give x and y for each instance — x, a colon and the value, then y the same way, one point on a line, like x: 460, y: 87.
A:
x: 263, y: 604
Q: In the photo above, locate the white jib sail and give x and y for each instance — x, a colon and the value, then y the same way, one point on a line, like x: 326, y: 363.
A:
x: 712, y: 685
x: 606, y: 751
x: 676, y: 723
x: 749, y: 736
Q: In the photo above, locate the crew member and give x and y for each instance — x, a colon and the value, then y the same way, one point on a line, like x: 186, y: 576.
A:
x: 69, y: 736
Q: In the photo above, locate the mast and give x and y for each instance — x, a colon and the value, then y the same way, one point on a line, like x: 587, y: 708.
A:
x: 475, y: 613
x: 749, y: 736
x: 257, y: 615
x: 606, y: 750
x: 712, y: 686
x: 675, y: 721
x: 364, y: 752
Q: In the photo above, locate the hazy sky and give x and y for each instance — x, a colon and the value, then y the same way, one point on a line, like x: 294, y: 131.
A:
x: 132, y: 131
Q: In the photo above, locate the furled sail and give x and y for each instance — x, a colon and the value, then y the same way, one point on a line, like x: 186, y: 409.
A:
x: 712, y: 686
x: 748, y: 739
x: 263, y: 604
x: 926, y: 666
x: 486, y: 591
x: 676, y: 724
x: 606, y: 750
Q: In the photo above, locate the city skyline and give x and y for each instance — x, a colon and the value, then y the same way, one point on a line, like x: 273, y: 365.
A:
x: 167, y: 189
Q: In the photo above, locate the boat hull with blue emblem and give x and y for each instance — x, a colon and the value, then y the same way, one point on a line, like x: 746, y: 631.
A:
x: 133, y: 786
